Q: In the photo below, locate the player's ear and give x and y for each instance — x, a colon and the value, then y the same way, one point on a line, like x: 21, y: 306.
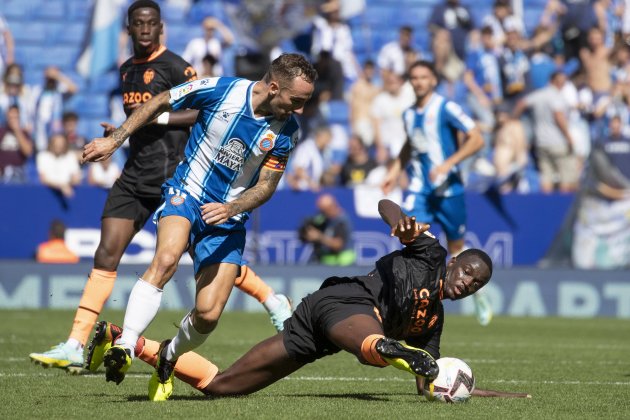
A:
x: 274, y: 88
x: 161, y: 28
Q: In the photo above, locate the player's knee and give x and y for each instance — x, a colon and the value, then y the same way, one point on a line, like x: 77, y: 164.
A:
x: 165, y: 262
x: 105, y: 258
x: 205, y: 321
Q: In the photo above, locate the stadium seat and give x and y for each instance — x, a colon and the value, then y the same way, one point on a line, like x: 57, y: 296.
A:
x: 90, y: 106
x: 19, y: 9
x: 52, y: 9
x: 339, y: 112
x: 28, y: 32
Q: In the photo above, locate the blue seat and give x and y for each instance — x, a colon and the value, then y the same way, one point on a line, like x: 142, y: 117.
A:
x: 51, y: 9
x: 339, y: 112
x: 28, y: 32
x: 89, y: 105
x: 19, y: 9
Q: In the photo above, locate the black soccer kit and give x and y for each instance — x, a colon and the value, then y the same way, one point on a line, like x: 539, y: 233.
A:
x: 403, y: 292
x: 154, y: 150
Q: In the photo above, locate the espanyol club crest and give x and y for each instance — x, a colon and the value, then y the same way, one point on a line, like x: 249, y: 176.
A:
x: 267, y: 142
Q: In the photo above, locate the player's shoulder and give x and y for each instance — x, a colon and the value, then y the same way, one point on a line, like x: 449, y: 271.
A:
x: 169, y: 56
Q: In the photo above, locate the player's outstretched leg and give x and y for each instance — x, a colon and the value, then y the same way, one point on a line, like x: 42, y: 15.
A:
x: 63, y: 355
x: 106, y: 333
x: 163, y: 377
x: 407, y: 358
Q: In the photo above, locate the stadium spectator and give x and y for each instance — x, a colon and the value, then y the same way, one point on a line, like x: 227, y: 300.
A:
x: 396, y: 56
x: 208, y: 63
x: 455, y: 18
x: 210, y: 211
x: 7, y: 45
x: 542, y: 62
x: 310, y: 161
x: 602, y: 226
x: 331, y: 33
x: 577, y: 17
x: 330, y: 233
x: 15, y: 92
x: 501, y: 13
x: 358, y: 165
x: 156, y: 151
x: 447, y: 63
x: 69, y: 126
x: 387, y: 110
x: 514, y: 67
x: 210, y: 44
x: 50, y: 103
x: 511, y: 155
x: 58, y: 167
x: 361, y: 95
x: 103, y: 174
x: 55, y: 250
x: 16, y: 147
x: 483, y: 80
x: 597, y: 67
x: 329, y: 84
x: 433, y: 152
x: 364, y: 315
x: 554, y: 144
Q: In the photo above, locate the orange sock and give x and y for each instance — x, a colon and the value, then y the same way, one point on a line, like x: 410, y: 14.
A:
x: 96, y: 292
x: 253, y: 285
x: 368, y: 350
x: 191, y: 368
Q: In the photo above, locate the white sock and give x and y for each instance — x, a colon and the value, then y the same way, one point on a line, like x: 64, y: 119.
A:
x: 187, y: 338
x: 272, y: 302
x: 74, y: 343
x: 143, y: 305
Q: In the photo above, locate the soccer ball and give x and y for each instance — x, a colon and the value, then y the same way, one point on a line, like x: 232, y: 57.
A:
x: 454, y: 384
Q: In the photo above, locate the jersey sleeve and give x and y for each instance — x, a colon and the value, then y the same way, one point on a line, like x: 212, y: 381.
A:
x: 195, y: 95
x: 456, y: 117
x: 182, y: 72
x: 426, y: 248
x: 278, y: 157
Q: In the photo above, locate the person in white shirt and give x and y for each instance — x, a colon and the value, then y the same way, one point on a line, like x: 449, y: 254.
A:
x: 396, y: 56
x: 58, y: 167
x: 209, y: 44
x: 103, y: 174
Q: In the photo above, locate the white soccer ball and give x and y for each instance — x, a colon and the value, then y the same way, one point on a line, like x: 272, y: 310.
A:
x: 454, y: 384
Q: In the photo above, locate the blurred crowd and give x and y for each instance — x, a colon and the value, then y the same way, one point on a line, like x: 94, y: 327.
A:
x: 542, y: 98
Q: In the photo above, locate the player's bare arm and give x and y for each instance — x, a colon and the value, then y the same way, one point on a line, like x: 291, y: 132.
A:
x: 217, y: 213
x: 472, y: 144
x: 102, y: 148
x: 402, y: 226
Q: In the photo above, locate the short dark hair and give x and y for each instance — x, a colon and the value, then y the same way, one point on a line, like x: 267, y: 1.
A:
x: 555, y: 74
x: 406, y: 28
x: 427, y: 65
x: 141, y: 4
x: 478, y: 253
x: 57, y: 229
x: 69, y: 115
x: 287, y: 67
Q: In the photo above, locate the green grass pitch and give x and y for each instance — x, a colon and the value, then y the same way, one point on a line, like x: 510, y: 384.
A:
x: 573, y: 368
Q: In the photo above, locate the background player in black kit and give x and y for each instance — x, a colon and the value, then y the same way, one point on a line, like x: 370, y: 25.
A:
x: 154, y: 152
x: 365, y: 315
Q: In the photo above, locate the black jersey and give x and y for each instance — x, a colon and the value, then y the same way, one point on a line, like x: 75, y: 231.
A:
x: 154, y: 150
x: 407, y: 285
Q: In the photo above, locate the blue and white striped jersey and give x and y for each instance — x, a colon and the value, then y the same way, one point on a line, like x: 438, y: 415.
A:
x: 228, y: 145
x: 432, y: 132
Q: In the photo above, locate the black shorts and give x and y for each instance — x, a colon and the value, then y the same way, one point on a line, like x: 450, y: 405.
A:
x: 123, y: 202
x: 305, y: 333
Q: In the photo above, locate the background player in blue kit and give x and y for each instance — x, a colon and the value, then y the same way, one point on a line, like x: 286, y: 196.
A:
x: 234, y: 159
x: 433, y: 152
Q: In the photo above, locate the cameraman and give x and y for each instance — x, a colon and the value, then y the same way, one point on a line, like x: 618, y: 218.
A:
x: 330, y: 233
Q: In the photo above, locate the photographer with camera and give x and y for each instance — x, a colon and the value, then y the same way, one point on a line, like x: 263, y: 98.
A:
x: 330, y: 233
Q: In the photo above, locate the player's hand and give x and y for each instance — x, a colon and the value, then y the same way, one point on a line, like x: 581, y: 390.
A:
x: 109, y: 129
x: 407, y: 229
x: 98, y: 149
x: 439, y: 173
x: 389, y: 183
x: 215, y: 213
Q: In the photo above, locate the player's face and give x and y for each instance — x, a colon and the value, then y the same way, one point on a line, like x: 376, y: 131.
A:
x: 422, y: 81
x: 464, y: 277
x: 290, y: 99
x: 144, y: 29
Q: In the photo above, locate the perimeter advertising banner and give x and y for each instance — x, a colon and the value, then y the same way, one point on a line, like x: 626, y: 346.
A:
x: 513, y: 229
x: 512, y: 292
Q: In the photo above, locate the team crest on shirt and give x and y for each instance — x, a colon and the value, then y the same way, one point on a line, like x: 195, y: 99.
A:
x: 267, y: 142
x: 148, y: 76
x: 231, y: 154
